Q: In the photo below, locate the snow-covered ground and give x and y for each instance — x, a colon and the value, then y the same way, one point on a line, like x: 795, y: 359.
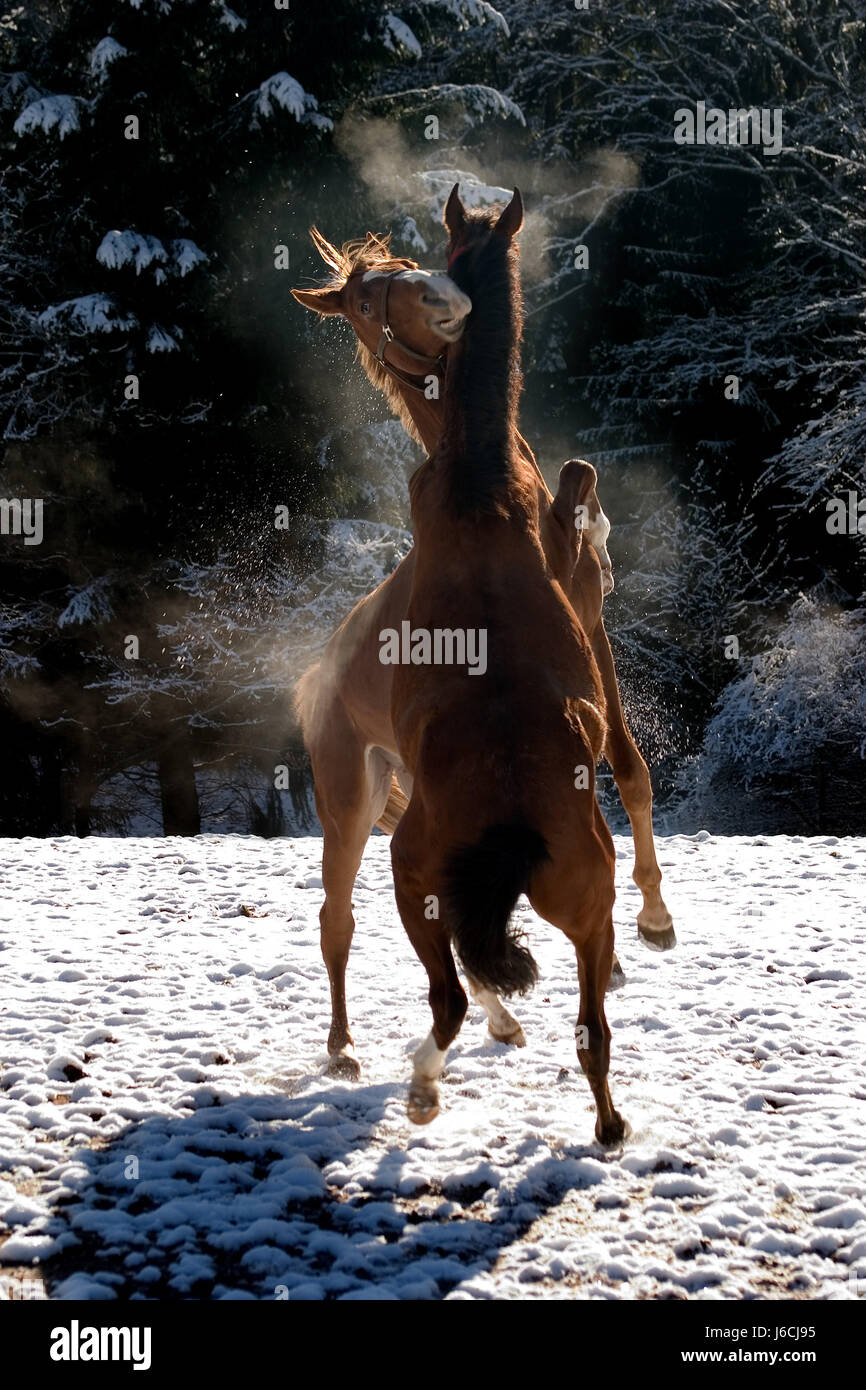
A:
x: 166, y: 1129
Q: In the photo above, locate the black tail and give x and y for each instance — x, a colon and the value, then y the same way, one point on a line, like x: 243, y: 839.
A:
x: 482, y: 885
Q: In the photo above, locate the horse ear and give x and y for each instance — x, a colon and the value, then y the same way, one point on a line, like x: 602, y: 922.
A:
x: 454, y: 215
x: 511, y: 219
x: 576, y: 481
x: 324, y: 301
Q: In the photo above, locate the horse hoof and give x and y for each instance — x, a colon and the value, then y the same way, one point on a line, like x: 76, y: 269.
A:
x: 617, y: 977
x: 664, y: 939
x: 423, y: 1105
x: 516, y: 1038
x: 343, y: 1066
x: 613, y: 1132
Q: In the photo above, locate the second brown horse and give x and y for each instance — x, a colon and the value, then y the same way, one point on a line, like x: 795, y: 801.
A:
x: 495, y: 808
x: 404, y: 321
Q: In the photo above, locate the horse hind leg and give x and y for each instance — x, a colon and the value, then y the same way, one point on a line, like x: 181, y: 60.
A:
x: 654, y: 921
x: 413, y: 877
x: 617, y: 975
x: 655, y: 924
x: 501, y: 1023
x: 592, y: 1033
x: 581, y: 905
x: 349, y: 799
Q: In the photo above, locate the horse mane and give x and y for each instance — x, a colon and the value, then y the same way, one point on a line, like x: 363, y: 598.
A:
x: 370, y: 252
x: 482, y: 398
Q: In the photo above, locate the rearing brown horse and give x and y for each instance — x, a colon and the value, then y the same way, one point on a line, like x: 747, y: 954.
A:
x: 495, y: 809
x: 344, y: 700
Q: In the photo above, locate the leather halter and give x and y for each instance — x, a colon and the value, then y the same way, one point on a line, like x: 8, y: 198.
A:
x: 426, y: 365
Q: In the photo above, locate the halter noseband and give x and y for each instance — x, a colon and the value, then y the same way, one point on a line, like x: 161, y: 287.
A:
x: 426, y: 365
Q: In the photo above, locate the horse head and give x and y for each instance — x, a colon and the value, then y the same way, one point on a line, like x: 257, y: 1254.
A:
x: 403, y: 317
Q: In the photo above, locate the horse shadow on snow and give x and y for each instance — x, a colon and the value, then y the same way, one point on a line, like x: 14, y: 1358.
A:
x: 298, y: 1197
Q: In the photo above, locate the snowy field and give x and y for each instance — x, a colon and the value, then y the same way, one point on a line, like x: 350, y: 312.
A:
x: 166, y: 1129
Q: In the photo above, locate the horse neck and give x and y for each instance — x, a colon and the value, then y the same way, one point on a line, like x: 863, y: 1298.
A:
x: 479, y: 446
x: 426, y: 416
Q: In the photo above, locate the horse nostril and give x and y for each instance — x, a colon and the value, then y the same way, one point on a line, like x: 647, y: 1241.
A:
x: 433, y: 301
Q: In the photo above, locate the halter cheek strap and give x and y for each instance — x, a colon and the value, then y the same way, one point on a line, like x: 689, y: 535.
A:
x: 426, y: 365
x: 387, y: 332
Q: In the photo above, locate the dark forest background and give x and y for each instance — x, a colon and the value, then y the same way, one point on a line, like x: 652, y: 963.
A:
x: 221, y: 485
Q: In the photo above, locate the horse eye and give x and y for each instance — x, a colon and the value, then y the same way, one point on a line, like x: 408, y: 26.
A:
x: 365, y: 306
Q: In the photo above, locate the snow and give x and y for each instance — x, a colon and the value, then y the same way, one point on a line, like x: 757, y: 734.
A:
x: 408, y: 233
x: 468, y: 12
x: 398, y: 36
x: 382, y: 459
x: 88, y: 605
x: 48, y: 113
x: 106, y: 52
x: 477, y: 100
x: 119, y: 249
x: 474, y: 193
x: 287, y: 93
x: 160, y: 340
x: 88, y: 313
x: 130, y: 248
x: 811, y: 678
x: 232, y: 21
x: 204, y: 1152
x: 358, y: 555
x: 187, y: 255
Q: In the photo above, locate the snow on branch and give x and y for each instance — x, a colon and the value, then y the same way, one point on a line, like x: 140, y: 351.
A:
x: 469, y: 12
x: 473, y: 192
x: 805, y: 692
x: 160, y: 340
x: 160, y: 6
x: 187, y: 255
x: 477, y: 101
x: 16, y: 87
x: 50, y: 113
x: 398, y: 36
x: 106, y: 52
x: 130, y: 248
x: 285, y: 92
x: 88, y: 605
x: 119, y: 249
x: 88, y: 313
x: 225, y: 16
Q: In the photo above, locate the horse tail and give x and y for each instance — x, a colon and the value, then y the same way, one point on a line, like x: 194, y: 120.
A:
x: 394, y: 808
x: 482, y: 884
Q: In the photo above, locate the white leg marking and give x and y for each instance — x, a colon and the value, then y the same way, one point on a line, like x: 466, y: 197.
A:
x: 501, y: 1021
x: 428, y: 1061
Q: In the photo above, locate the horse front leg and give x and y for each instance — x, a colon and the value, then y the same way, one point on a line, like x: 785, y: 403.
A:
x: 654, y: 921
